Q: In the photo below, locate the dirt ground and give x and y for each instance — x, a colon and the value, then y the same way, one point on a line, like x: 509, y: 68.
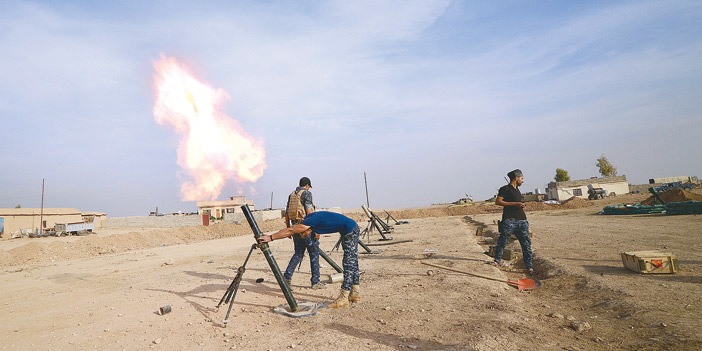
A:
x: 103, y: 291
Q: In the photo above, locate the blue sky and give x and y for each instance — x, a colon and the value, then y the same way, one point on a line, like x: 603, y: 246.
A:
x: 432, y: 99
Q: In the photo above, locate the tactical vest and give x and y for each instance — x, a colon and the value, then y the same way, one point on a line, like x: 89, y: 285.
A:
x: 296, y: 210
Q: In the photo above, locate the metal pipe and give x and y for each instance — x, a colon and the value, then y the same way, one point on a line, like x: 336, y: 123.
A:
x: 382, y: 223
x: 41, y: 217
x: 271, y: 260
x: 390, y: 243
x: 365, y: 180
x: 390, y: 216
x: 329, y: 260
x: 382, y: 232
x: 367, y: 211
x: 364, y: 246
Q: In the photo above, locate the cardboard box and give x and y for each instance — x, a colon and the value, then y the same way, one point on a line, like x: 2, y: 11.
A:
x: 506, y: 254
x: 650, y: 262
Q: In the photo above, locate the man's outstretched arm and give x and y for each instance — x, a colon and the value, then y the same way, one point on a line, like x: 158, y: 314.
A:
x: 284, y: 233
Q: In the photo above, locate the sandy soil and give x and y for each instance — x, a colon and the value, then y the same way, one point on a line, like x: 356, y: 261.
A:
x: 103, y: 291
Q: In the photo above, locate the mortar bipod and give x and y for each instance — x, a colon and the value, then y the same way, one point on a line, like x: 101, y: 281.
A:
x: 377, y: 223
x: 231, y: 291
x: 365, y: 247
x: 387, y: 219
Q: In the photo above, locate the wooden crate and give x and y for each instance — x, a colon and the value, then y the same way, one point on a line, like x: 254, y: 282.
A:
x: 506, y: 254
x: 650, y: 262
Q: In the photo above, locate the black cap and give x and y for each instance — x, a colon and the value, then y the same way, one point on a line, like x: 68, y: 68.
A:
x: 305, y: 181
x: 514, y: 174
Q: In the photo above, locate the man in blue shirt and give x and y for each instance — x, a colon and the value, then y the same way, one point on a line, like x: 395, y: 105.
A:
x: 323, y: 222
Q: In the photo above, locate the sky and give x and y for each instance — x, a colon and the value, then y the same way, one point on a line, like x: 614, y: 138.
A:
x: 432, y: 100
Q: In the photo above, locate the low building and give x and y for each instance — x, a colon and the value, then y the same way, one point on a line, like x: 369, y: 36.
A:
x: 219, y: 209
x: 684, y: 180
x: 30, y: 220
x: 95, y: 217
x: 533, y: 197
x: 578, y: 188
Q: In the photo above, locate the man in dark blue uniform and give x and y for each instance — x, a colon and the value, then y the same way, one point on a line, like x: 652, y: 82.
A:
x: 323, y: 222
x: 514, y: 220
x: 299, y: 205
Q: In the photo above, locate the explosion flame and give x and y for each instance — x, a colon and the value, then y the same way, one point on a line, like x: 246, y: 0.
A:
x: 213, y: 146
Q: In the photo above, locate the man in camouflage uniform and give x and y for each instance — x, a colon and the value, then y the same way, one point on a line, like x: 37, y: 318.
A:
x: 309, y: 243
x: 514, y: 220
x: 323, y: 222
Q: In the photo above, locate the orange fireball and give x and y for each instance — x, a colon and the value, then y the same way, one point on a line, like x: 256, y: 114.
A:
x: 213, y: 147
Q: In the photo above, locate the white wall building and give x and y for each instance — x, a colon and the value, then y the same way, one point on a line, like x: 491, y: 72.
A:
x: 218, y: 209
x: 561, y: 191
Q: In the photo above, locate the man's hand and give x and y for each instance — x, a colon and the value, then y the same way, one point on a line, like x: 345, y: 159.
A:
x: 284, y: 233
x: 501, y: 202
x: 265, y: 238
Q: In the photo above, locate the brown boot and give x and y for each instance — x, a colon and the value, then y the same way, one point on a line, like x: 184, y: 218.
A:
x: 355, y: 295
x: 342, y: 300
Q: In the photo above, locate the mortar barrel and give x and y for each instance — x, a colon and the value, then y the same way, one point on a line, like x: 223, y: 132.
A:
x: 271, y: 260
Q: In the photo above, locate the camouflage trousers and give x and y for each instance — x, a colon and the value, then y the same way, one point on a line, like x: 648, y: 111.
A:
x: 312, y: 247
x: 520, y: 229
x: 349, y: 242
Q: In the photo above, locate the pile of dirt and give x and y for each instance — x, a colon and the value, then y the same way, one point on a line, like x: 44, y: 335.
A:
x: 93, y: 245
x: 576, y: 202
x: 447, y: 211
x: 487, y: 208
x: 674, y: 195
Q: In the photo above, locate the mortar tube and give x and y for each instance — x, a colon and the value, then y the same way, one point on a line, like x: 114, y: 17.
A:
x: 364, y: 246
x: 329, y: 260
x: 382, y: 223
x: 382, y: 232
x: 271, y: 260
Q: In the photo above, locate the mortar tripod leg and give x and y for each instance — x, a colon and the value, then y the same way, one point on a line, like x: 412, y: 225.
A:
x: 232, y: 294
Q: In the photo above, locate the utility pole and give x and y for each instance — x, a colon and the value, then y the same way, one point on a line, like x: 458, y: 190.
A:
x: 366, y: 181
x: 271, y: 200
x: 41, y: 216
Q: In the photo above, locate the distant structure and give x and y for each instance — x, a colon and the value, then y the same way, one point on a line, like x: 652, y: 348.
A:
x: 615, y: 185
x: 219, y: 209
x: 684, y: 180
x: 29, y: 220
x: 535, y: 196
x: 95, y: 217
